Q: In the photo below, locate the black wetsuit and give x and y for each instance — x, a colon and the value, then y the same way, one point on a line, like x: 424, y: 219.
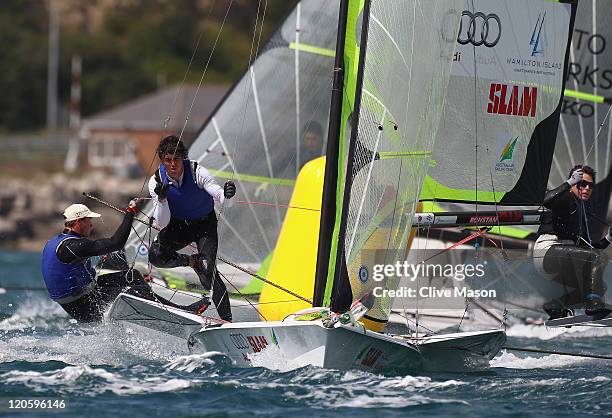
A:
x: 180, y: 233
x: 577, y: 266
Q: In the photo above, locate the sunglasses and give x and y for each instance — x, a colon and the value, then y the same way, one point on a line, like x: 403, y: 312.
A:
x: 583, y: 184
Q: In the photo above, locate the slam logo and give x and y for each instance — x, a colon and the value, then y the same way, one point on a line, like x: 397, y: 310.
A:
x: 506, y: 156
x: 512, y: 100
x: 537, y: 37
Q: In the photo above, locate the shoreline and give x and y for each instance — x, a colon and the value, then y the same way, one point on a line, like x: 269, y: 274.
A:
x: 31, y: 209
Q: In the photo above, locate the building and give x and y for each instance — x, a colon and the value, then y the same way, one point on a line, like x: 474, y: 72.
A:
x: 125, y: 138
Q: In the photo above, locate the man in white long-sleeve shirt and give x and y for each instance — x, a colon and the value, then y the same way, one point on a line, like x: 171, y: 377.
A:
x: 183, y: 194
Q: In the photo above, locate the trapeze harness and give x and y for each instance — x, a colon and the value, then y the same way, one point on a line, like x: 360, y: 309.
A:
x: 188, y: 201
x: 66, y: 282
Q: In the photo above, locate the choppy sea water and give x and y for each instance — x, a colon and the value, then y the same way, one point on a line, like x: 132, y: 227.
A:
x: 107, y: 370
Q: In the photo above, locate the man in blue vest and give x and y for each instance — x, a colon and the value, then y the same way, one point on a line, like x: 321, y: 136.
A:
x: 70, y: 277
x: 183, y: 195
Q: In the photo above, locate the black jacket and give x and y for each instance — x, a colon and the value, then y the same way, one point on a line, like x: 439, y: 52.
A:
x: 566, y: 218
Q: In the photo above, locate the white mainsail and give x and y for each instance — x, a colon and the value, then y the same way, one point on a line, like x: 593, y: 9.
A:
x: 500, y: 120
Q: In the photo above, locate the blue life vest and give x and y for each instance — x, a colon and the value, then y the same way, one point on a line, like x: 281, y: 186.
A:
x: 187, y: 201
x: 64, y: 280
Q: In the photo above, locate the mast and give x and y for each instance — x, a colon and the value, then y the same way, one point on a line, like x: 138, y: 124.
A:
x: 328, y: 203
x: 341, y: 296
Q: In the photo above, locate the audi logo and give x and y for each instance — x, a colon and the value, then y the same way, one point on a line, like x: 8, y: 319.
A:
x: 479, y: 29
x: 239, y: 341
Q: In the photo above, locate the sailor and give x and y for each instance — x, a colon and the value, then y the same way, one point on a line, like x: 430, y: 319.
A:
x: 183, y: 194
x: 68, y: 272
x: 565, y: 250
x: 312, y: 142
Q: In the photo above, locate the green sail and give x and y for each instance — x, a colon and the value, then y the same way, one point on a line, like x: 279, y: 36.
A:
x: 398, y: 102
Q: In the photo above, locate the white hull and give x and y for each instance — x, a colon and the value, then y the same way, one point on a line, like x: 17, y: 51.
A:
x: 297, y: 344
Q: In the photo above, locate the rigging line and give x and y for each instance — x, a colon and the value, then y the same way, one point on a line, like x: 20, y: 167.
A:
x: 205, y: 70
x: 583, y: 217
x: 580, y: 123
x: 261, y: 25
x: 264, y: 139
x: 501, y: 240
x: 245, y: 202
x: 215, y: 269
x: 141, y: 242
x: 478, y: 233
x: 242, y: 188
x: 475, y: 121
x: 598, y: 132
x: 412, y: 49
x: 486, y: 310
x: 243, y: 296
x: 250, y: 66
x: 467, y: 306
x: 255, y: 275
x: 559, y: 171
x: 608, y: 147
x: 236, y: 266
x: 560, y: 353
x: 595, y: 81
x: 172, y: 108
x: 568, y: 147
x: 297, y: 88
x: 263, y: 303
x: 246, y: 90
x: 399, y: 176
x: 428, y: 231
x: 195, y: 50
x: 239, y: 237
x: 416, y: 323
x: 149, y: 317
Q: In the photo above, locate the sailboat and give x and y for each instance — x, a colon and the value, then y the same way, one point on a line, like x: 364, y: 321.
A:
x: 388, y: 95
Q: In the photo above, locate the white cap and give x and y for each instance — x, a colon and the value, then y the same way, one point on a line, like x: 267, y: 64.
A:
x: 78, y: 211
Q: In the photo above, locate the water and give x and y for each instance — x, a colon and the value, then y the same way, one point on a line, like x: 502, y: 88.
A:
x: 108, y: 371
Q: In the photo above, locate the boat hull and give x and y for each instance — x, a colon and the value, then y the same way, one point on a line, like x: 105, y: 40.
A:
x: 293, y: 344
x: 298, y: 344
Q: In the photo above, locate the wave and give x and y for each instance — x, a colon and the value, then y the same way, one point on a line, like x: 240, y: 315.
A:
x: 542, y: 332
x: 553, y: 361
x: 91, y: 381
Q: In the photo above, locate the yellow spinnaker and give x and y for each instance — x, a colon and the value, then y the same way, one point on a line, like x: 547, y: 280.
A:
x: 293, y: 265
